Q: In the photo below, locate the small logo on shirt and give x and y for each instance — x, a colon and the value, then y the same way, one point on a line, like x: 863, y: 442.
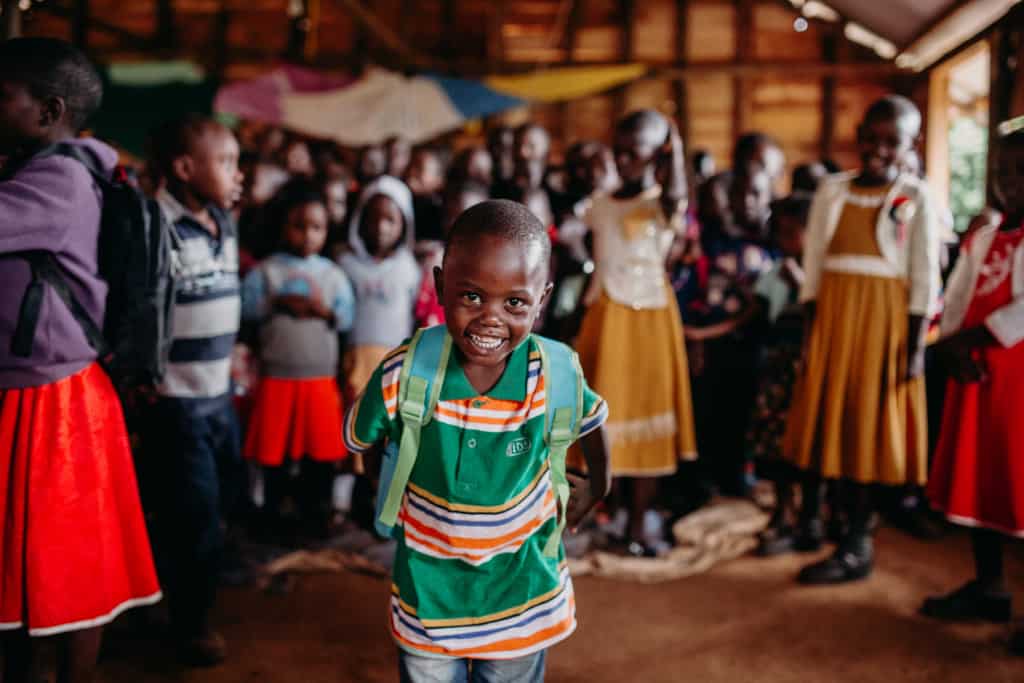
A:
x: 519, y: 446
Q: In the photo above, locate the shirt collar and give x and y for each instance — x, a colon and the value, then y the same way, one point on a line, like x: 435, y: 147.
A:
x: 511, y: 386
x: 174, y: 210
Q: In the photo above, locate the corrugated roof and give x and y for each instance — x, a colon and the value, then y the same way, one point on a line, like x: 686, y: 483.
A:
x: 899, y: 21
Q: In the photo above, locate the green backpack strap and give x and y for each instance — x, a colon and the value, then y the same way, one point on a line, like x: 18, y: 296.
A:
x: 564, y: 415
x: 420, y: 385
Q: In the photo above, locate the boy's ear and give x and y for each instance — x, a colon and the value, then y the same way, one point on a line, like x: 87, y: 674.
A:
x: 52, y: 111
x: 182, y: 168
x: 439, y: 282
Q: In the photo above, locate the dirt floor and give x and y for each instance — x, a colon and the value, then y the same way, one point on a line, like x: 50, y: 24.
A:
x: 745, y: 620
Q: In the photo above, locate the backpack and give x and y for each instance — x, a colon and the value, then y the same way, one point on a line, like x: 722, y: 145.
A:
x: 134, y: 259
x: 420, y: 382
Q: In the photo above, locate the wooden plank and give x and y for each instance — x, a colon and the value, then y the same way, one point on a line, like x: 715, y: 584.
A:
x: 829, y: 53
x: 680, y: 93
x: 627, y: 14
x: 80, y: 25
x: 744, y: 21
x: 222, y: 53
x: 572, y: 24
x: 166, y: 36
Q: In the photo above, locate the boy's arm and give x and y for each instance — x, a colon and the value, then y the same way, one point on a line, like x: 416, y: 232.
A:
x: 587, y: 492
x: 370, y: 418
x: 254, y: 296
x: 344, y: 304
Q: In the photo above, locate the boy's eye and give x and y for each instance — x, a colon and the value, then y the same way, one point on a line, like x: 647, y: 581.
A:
x: 471, y: 297
x: 516, y: 302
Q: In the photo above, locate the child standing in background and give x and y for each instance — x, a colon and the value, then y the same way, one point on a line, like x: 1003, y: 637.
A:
x: 194, y: 433
x: 978, y: 474
x: 300, y: 302
x: 631, y: 340
x: 781, y: 319
x: 871, y: 266
x: 384, y: 274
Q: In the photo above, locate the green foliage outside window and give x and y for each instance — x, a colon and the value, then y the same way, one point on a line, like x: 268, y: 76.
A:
x: 968, y: 152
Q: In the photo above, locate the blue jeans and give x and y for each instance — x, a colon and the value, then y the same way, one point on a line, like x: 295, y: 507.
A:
x: 416, y: 669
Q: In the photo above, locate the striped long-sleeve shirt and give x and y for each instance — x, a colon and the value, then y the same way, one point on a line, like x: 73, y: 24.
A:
x: 470, y: 575
x: 207, y: 309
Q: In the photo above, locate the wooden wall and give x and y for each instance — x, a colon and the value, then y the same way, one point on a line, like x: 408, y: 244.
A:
x: 811, y: 114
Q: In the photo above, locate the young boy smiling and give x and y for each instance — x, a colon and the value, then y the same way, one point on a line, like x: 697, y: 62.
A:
x: 475, y: 597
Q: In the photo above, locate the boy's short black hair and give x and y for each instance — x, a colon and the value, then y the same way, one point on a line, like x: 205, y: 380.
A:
x: 895, y: 108
x: 175, y: 138
x: 54, y: 68
x: 296, y: 192
x: 501, y: 218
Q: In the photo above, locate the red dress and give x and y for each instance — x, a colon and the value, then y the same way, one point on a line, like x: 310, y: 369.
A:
x: 295, y: 418
x: 74, y: 551
x: 978, y: 475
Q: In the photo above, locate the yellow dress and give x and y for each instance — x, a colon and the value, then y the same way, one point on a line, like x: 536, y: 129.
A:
x: 630, y: 343
x: 854, y: 415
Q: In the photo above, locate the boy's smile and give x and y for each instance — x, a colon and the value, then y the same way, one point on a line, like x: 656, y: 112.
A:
x: 492, y: 290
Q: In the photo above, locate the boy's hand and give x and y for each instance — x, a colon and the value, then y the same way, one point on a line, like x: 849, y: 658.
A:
x: 317, y: 309
x: 581, y: 500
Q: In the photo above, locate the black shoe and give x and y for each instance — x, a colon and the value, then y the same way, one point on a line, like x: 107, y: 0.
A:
x: 852, y: 561
x: 809, y: 536
x: 970, y: 602
x: 776, y: 540
x: 205, y: 650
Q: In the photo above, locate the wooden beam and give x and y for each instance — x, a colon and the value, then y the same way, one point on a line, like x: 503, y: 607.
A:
x: 680, y: 93
x: 449, y: 23
x: 627, y: 15
x: 80, y: 25
x: 298, y: 28
x: 568, y: 41
x: 11, y: 27
x: 383, y: 34
x: 222, y: 52
x: 166, y: 36
x: 830, y: 54
x: 495, y: 36
x: 744, y: 33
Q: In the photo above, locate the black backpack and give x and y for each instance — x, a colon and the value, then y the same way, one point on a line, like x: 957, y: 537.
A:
x: 134, y: 258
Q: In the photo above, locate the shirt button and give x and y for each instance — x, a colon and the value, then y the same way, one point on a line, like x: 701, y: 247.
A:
x: 471, y: 443
x: 479, y: 403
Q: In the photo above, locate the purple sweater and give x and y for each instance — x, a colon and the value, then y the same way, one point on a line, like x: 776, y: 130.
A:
x: 52, y: 204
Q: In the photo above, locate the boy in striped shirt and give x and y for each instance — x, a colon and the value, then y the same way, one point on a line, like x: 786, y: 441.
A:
x: 193, y: 430
x: 474, y: 596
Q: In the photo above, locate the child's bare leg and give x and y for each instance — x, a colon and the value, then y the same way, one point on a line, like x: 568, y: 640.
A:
x: 77, y: 654
x: 644, y: 492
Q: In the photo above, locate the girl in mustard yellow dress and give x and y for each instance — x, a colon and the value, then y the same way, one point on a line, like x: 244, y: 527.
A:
x: 631, y: 340
x: 872, y: 278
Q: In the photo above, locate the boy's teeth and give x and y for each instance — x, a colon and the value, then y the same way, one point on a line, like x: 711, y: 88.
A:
x: 485, y: 342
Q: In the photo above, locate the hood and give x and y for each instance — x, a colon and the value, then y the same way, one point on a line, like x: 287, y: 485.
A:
x: 395, y: 190
x: 106, y: 154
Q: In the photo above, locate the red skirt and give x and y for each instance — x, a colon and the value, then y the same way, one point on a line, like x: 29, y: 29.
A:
x: 977, y: 478
x: 74, y: 552
x: 295, y: 418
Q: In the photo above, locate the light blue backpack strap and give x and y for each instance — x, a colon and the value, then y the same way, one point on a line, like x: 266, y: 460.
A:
x: 563, y: 387
x: 420, y: 385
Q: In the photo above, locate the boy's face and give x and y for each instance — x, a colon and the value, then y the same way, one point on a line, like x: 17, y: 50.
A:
x: 480, y: 167
x: 532, y: 146
x: 883, y: 143
x: 424, y: 174
x: 1009, y: 178
x: 381, y: 225
x: 210, y: 169
x: 501, y: 145
x: 22, y: 117
x: 492, y: 290
x: 373, y: 163
x: 306, y: 229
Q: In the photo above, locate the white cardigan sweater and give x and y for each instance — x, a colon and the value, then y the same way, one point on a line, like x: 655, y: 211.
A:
x: 1007, y: 323
x: 910, y: 252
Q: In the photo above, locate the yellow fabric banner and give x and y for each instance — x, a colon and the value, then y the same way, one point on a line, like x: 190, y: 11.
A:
x: 565, y: 83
